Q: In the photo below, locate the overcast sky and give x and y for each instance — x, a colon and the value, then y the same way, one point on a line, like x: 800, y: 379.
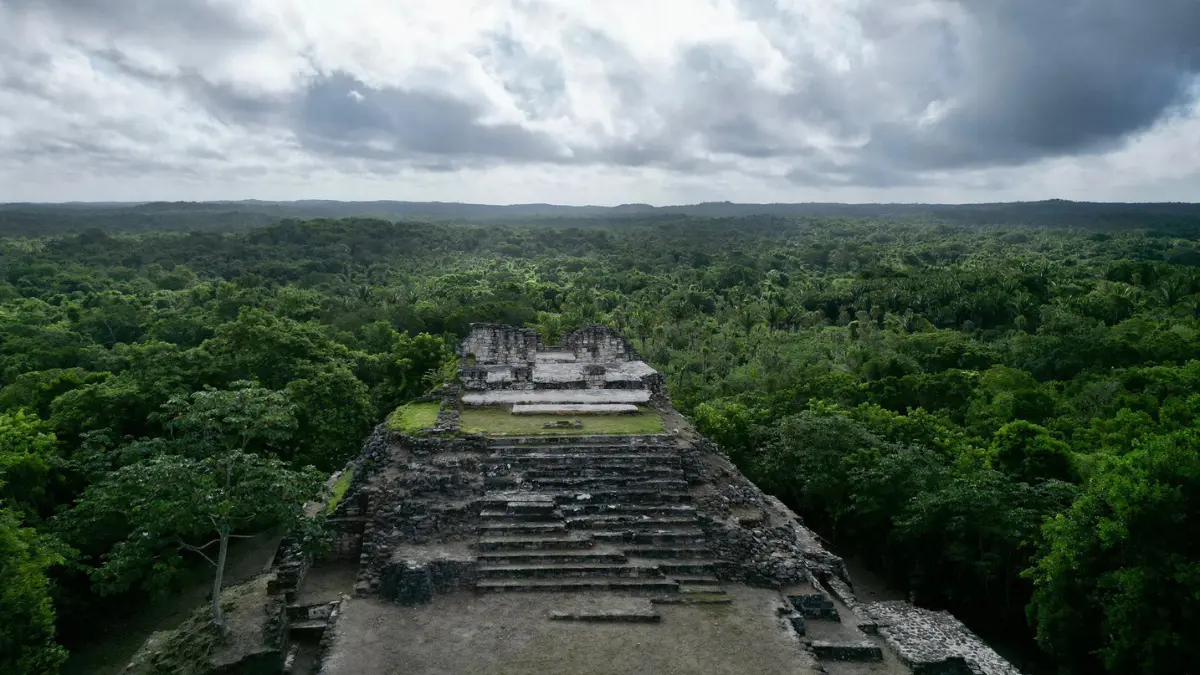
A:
x: 600, y: 101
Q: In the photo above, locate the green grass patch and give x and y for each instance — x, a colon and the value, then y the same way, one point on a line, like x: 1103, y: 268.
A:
x: 413, y: 417
x: 339, y: 488
x: 499, y: 421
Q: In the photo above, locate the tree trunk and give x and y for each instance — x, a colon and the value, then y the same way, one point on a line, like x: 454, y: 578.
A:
x: 218, y: 579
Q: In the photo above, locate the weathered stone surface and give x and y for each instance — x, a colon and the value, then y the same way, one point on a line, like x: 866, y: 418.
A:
x: 557, y: 396
x: 575, y: 409
x: 935, y: 643
x: 490, y: 344
x: 847, y: 651
x: 814, y: 606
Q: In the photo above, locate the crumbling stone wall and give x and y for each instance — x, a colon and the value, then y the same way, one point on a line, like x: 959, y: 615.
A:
x: 599, y: 344
x: 496, y: 344
x: 417, y: 491
x: 759, y: 541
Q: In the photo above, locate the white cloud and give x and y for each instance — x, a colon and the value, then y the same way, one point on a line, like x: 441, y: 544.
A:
x: 574, y: 101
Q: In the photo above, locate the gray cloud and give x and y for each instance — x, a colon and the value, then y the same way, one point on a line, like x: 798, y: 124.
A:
x: 1042, y: 79
x: 919, y: 87
x: 342, y: 115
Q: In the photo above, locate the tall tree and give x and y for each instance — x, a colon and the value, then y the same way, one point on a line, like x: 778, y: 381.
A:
x: 172, y: 504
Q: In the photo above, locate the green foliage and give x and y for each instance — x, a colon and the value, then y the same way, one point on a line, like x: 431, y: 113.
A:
x: 1118, y: 584
x: 27, y: 454
x: 167, y: 505
x: 339, y: 489
x: 244, y: 418
x: 1029, y: 453
x: 924, y: 391
x: 27, y: 645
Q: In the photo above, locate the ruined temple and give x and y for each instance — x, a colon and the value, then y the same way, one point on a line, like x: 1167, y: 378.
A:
x: 561, y: 517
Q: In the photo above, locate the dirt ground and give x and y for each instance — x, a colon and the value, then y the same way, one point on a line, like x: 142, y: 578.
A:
x: 501, y: 634
x: 328, y: 581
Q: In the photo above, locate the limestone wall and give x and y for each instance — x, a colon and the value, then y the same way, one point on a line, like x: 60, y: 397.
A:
x: 494, y: 344
x: 599, y: 344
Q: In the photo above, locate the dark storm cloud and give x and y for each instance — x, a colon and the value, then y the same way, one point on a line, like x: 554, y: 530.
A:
x: 1040, y: 79
x: 341, y: 115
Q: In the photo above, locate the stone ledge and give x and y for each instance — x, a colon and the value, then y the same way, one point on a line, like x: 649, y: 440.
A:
x: 574, y: 409
x: 847, y: 651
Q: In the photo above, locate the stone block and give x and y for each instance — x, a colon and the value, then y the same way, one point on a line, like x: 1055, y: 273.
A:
x: 797, y: 622
x: 815, y: 606
x: 847, y: 651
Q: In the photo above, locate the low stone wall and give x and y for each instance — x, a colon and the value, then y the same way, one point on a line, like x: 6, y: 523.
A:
x: 411, y: 582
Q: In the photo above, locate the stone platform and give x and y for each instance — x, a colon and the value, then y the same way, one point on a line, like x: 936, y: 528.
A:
x: 553, y: 396
x: 576, y: 409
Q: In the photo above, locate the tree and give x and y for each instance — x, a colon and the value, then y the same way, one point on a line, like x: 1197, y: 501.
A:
x: 335, y: 412
x: 27, y: 449
x: 245, y: 417
x: 1030, y: 454
x: 27, y: 645
x: 170, y: 504
x: 1117, y: 583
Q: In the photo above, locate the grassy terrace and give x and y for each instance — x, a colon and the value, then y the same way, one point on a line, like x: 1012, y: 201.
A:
x: 413, y: 417
x: 498, y: 421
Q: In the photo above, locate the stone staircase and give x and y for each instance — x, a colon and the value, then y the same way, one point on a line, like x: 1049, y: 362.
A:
x: 592, y: 514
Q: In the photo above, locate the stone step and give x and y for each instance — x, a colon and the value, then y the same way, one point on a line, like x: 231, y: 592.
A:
x: 550, y: 396
x: 627, y: 522
x: 694, y: 599
x: 549, y: 557
x: 681, y: 536
x: 606, y: 469
x: 298, y: 613
x: 815, y: 606
x: 626, y: 496
x: 638, y: 510
x: 541, y: 543
x: 704, y: 586
x: 619, y: 441
x: 673, y: 552
x: 846, y: 651
x: 517, y: 502
x: 573, y: 585
x: 597, y: 453
x: 558, y: 571
x: 504, y: 516
x: 690, y: 569
x: 308, y: 631
x: 574, y: 409
x: 606, y: 483
x: 490, y: 529
x: 608, y: 616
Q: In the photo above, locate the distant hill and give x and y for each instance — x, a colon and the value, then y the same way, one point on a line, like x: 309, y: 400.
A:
x: 31, y: 219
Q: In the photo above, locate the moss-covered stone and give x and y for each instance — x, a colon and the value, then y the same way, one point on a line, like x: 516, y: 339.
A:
x: 253, y: 644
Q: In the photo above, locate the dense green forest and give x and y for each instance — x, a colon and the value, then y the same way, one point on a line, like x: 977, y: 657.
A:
x: 1002, y: 419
